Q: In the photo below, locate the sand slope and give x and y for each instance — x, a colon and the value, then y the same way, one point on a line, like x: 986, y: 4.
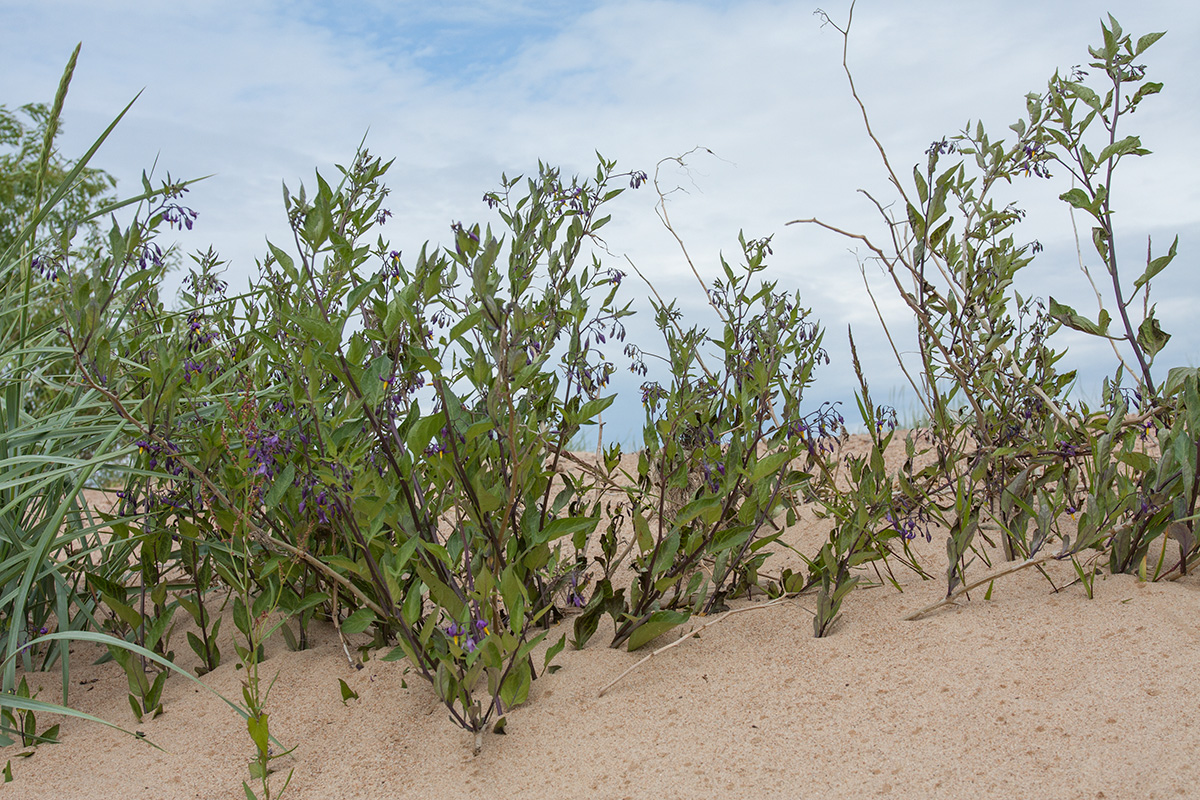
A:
x: 1032, y: 694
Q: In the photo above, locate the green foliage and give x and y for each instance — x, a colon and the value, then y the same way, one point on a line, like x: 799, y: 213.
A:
x: 23, y: 722
x: 1012, y: 453
x: 31, y: 169
x: 719, y: 444
x: 384, y: 443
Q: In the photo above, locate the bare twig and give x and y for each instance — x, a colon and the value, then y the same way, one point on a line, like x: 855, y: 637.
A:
x: 950, y: 598
x: 694, y: 633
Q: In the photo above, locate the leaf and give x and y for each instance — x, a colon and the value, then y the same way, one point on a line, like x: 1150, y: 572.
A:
x: 642, y: 528
x: 283, y: 482
x: 565, y: 526
x: 422, y: 432
x: 513, y: 593
x: 257, y: 727
x: 1156, y: 265
x: 1068, y: 316
x: 283, y: 258
x: 922, y: 186
x: 515, y: 689
x: 359, y: 621
x: 916, y: 222
x: 127, y: 614
x: 1151, y: 337
x: 1145, y: 41
x: 768, y: 466
x: 554, y: 650
x: 698, y: 508
x: 654, y: 625
x: 591, y: 408
x: 1100, y: 242
x: 1177, y: 376
x: 1183, y: 535
x: 347, y: 693
x: 1077, y: 198
x: 1085, y: 94
x: 1128, y: 145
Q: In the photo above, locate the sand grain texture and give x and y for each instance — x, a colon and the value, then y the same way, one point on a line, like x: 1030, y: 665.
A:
x: 1032, y: 694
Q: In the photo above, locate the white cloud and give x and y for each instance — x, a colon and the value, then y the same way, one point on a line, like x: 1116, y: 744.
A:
x: 262, y: 93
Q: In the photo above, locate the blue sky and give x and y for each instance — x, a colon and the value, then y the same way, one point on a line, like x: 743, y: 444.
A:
x: 261, y: 93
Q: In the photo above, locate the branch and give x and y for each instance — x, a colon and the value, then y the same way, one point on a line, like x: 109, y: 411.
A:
x: 950, y: 598
x: 694, y: 633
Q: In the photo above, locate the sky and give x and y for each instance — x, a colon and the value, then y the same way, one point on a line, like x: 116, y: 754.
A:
x: 261, y: 94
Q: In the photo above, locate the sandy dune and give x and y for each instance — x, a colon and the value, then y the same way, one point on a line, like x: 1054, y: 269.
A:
x: 1031, y: 694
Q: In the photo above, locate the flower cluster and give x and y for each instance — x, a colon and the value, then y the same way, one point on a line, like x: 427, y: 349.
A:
x: 151, y: 256
x: 885, y: 417
x: 819, y: 430
x: 714, y: 473
x: 392, y: 267
x: 265, y: 449
x: 652, y: 394
x: 468, y: 636
x: 50, y: 269
x: 199, y: 333
x: 179, y: 216
x: 908, y: 520
x: 310, y: 494
x: 158, y: 453
x: 574, y: 594
x: 941, y: 147
x: 1033, y: 160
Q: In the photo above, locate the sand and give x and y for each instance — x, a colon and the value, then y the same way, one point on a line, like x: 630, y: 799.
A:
x: 1035, y: 693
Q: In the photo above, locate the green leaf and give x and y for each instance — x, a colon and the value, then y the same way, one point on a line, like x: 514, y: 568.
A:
x: 642, y: 528
x: 1156, y: 265
x: 283, y: 482
x: 1078, y: 198
x: 592, y: 407
x: 922, y: 185
x: 1151, y: 337
x: 565, y: 526
x: 127, y: 614
x: 1085, y: 94
x: 768, y: 467
x: 654, y: 625
x: 359, y: 621
x: 282, y: 258
x: 1100, y: 242
x: 554, y: 650
x: 515, y: 689
x: 916, y: 222
x: 1128, y: 145
x: 697, y: 508
x: 423, y: 430
x: 1068, y: 316
x: 1177, y: 376
x: 513, y: 592
x: 1139, y: 461
x: 347, y: 693
x: 257, y: 727
x: 1145, y: 41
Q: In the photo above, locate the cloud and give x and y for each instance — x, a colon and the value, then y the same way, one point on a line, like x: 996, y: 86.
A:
x: 459, y: 92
